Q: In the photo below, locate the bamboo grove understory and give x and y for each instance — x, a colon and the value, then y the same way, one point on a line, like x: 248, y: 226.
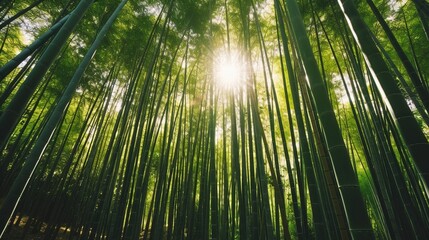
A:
x: 118, y: 119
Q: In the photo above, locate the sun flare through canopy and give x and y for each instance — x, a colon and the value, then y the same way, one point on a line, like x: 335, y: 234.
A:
x: 229, y: 70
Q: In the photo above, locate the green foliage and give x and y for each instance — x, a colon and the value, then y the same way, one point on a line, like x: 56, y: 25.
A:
x: 148, y: 144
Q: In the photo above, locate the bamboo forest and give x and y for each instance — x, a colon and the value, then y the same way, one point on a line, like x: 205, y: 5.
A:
x: 214, y: 119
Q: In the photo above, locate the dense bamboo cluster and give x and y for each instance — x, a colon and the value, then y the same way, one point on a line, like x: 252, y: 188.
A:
x: 114, y: 124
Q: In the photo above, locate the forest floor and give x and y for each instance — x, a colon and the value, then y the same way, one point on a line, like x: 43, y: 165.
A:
x: 18, y: 232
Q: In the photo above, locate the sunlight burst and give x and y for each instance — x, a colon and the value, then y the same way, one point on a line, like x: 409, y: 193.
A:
x: 229, y: 70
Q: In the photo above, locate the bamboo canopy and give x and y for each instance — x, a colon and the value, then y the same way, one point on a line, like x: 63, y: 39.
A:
x: 231, y: 119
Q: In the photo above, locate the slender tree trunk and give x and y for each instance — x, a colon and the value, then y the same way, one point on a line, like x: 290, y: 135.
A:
x: 23, y: 178
x: 19, y: 14
x: 346, y: 179
x: 16, y: 107
x: 410, y: 129
x: 18, y: 59
x: 422, y: 91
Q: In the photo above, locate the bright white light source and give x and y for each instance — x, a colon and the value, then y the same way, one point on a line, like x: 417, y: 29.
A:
x: 229, y: 70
